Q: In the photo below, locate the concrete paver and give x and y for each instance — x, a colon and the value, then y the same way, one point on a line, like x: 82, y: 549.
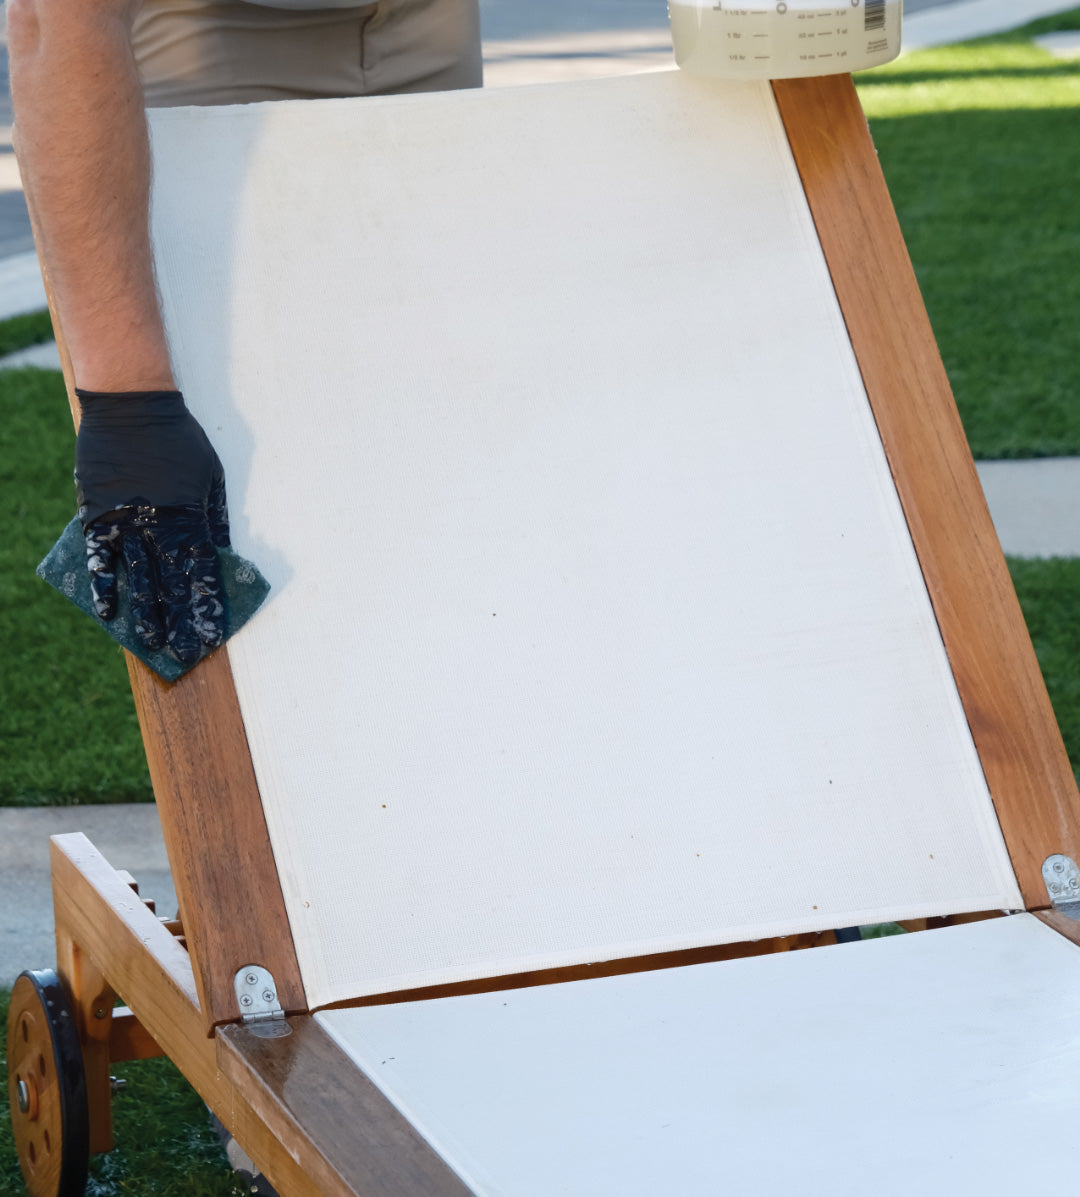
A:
x: 591, y: 54
x: 21, y: 288
x: 15, y: 236
x: 45, y: 357
x: 1061, y: 45
x: 1034, y: 505
x: 500, y: 19
x: 14, y: 222
x: 965, y: 19
x: 127, y: 835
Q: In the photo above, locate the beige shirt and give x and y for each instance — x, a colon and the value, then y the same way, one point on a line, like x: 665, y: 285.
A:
x: 299, y: 5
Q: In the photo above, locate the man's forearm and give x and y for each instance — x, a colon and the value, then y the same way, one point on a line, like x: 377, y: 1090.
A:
x: 83, y: 150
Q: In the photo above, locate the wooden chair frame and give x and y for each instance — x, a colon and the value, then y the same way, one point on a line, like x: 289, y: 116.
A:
x: 285, y: 1099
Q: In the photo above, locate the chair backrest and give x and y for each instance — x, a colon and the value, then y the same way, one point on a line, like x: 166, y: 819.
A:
x: 597, y: 626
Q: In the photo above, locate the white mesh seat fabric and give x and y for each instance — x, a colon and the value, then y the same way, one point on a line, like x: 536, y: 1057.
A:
x: 938, y: 1063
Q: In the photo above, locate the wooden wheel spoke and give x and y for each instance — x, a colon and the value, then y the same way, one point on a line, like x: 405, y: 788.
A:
x: 47, y: 1089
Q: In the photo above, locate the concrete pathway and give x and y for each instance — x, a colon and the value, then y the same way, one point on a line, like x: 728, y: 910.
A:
x: 946, y: 23
x: 1062, y: 45
x: 128, y: 836
x: 14, y: 223
x: 21, y: 288
x: 1034, y: 504
x: 45, y: 357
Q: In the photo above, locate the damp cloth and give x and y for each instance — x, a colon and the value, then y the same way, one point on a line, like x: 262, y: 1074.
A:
x: 65, y: 569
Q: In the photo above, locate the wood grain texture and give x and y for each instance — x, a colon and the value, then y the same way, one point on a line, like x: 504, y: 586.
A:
x: 38, y: 1135
x: 129, y: 1039
x: 1062, y: 924
x: 996, y: 672
x: 211, y: 813
x: 304, y: 1087
x: 212, y: 818
x: 124, y: 943
x: 127, y: 946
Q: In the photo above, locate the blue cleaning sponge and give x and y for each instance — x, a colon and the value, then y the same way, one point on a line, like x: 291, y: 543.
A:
x: 65, y: 569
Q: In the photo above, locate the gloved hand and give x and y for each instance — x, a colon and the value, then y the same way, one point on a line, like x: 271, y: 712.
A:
x: 151, y: 492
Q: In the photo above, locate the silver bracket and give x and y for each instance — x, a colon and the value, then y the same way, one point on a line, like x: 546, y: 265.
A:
x: 1062, y: 879
x: 260, y: 1010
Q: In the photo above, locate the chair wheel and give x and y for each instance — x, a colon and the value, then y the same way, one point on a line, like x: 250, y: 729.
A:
x: 47, y: 1087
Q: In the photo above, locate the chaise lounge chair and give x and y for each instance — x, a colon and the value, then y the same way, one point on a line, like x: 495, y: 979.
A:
x: 636, y: 618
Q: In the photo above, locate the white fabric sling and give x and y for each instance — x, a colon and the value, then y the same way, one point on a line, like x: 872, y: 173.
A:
x: 939, y: 1063
x: 596, y: 626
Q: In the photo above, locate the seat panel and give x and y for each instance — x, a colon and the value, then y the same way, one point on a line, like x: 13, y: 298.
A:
x: 937, y: 1063
x: 597, y: 629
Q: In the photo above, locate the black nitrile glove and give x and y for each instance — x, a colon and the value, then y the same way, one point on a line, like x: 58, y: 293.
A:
x: 151, y: 492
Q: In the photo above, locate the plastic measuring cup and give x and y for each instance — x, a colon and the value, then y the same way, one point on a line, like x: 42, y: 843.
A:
x: 766, y: 39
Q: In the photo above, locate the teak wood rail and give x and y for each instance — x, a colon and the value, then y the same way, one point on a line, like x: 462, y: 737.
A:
x: 993, y: 662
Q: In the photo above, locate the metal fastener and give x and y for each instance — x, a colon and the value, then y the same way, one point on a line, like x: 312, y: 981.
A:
x: 256, y: 992
x: 22, y: 1093
x: 1062, y: 879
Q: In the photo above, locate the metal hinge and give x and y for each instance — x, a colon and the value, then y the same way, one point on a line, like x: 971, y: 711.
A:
x: 260, y: 1010
x: 1062, y: 879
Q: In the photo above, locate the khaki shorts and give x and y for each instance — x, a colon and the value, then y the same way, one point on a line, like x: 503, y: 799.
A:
x: 231, y: 52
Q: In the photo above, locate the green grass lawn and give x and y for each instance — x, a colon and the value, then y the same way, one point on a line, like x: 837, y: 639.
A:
x: 68, y: 731
x: 165, y: 1147
x: 980, y: 148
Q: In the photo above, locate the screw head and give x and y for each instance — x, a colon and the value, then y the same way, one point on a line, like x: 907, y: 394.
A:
x: 246, y: 999
x: 1059, y: 866
x: 22, y: 1096
x: 268, y: 995
x: 252, y: 979
x: 101, y: 1012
